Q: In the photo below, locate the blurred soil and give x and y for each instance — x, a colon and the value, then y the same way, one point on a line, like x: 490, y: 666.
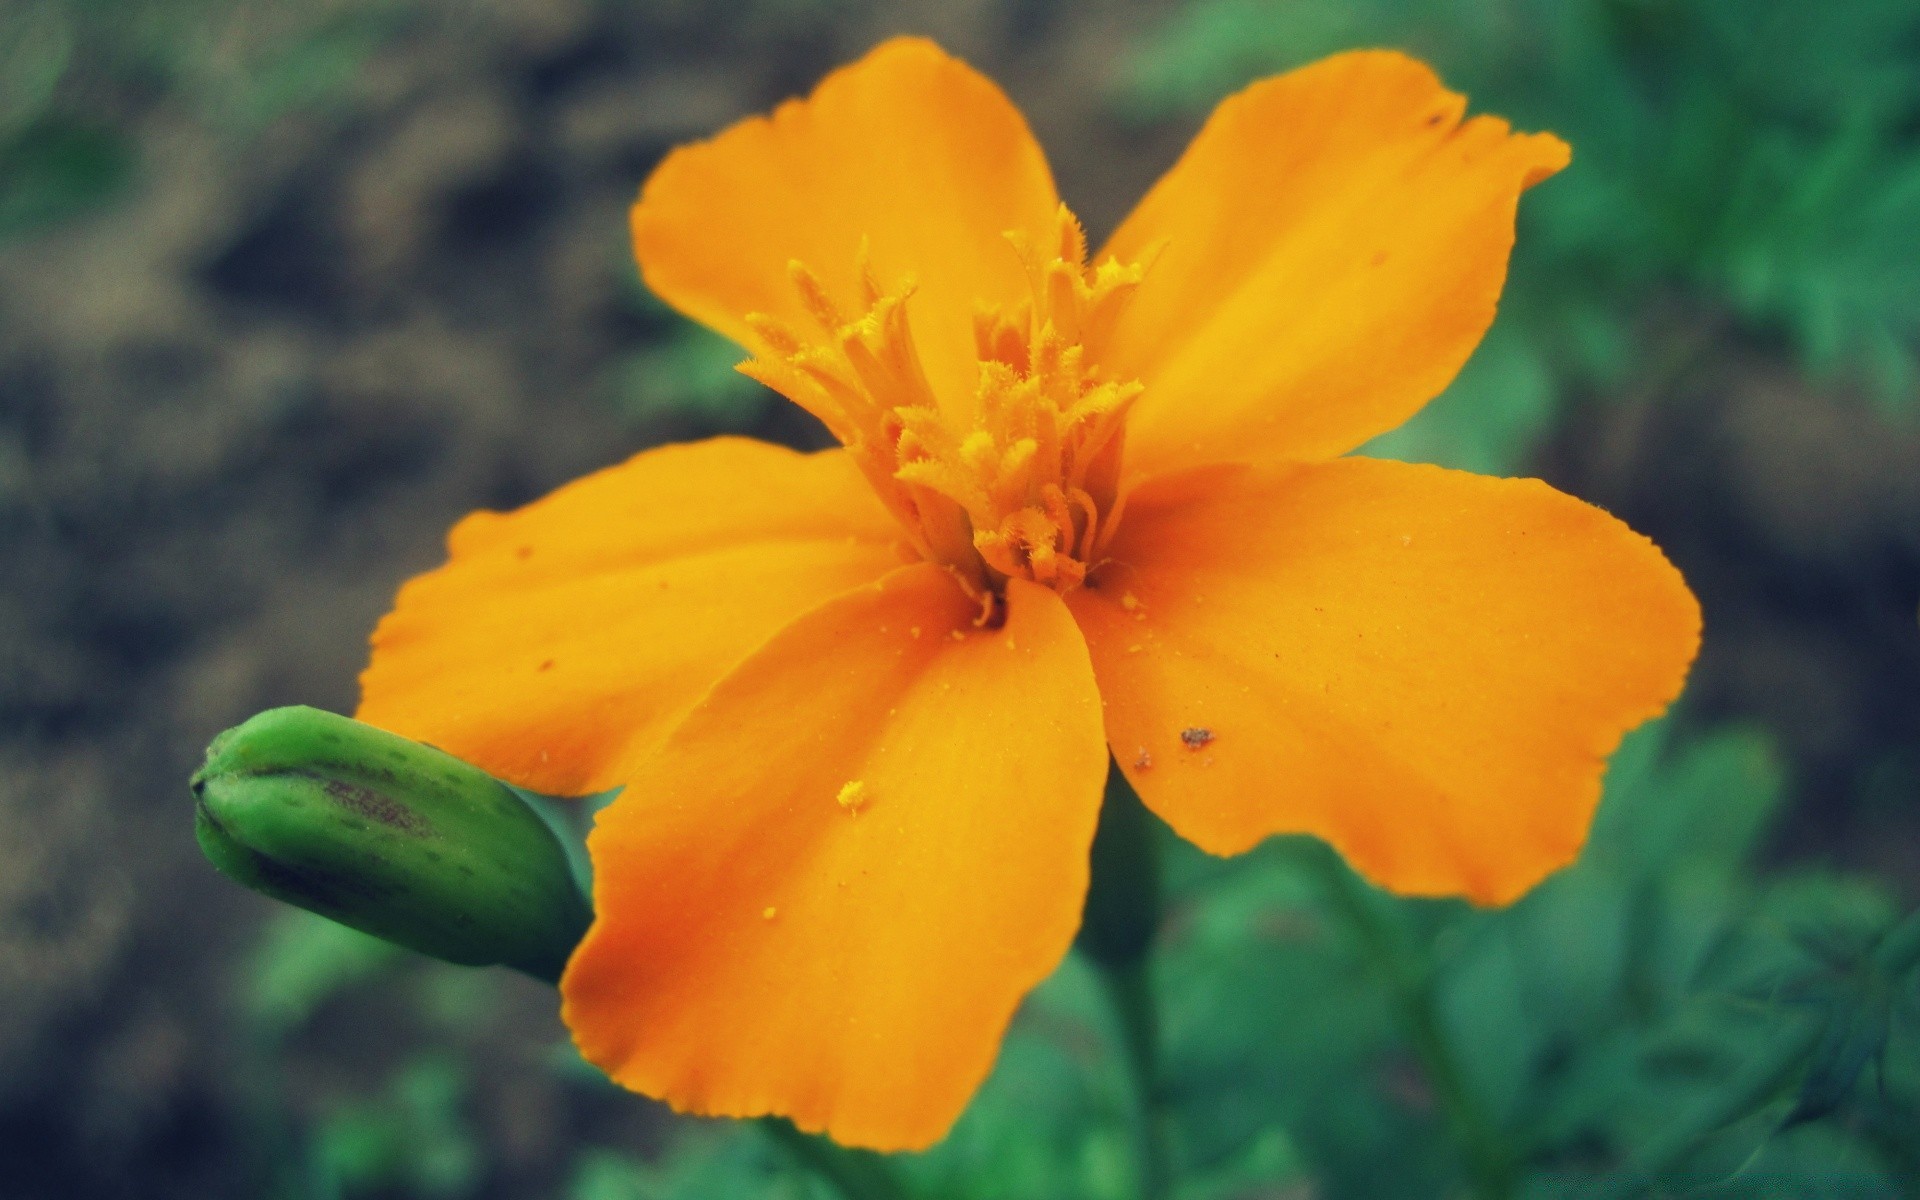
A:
x: 1794, y: 511
x: 236, y: 411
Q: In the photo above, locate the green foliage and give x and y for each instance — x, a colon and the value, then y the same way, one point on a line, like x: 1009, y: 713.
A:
x: 1662, y: 1018
x: 57, y: 168
x: 685, y: 376
x: 1050, y: 1120
x: 301, y: 962
x: 69, y: 68
x: 1654, y: 1018
x: 701, y: 1164
x: 1757, y: 159
x: 414, y: 1140
x: 413, y: 1134
x: 688, y: 376
x: 1498, y: 408
x: 313, y: 64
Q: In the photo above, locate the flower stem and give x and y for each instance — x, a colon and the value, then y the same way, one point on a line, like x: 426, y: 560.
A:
x: 1130, y: 997
x: 1489, y: 1158
x: 1116, y: 935
x: 855, y: 1174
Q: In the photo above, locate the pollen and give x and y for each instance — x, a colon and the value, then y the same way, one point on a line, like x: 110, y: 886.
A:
x: 853, y: 797
x: 1020, y: 479
x: 769, y: 913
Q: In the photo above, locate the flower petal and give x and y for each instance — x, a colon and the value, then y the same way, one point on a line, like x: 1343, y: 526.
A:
x: 560, y: 640
x: 826, y: 894
x: 1426, y: 668
x: 908, y: 150
x: 1335, y: 242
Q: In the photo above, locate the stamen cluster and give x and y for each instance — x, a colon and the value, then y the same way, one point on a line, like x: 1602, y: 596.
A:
x: 1024, y: 481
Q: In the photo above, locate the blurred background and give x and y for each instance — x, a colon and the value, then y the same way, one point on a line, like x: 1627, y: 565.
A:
x: 288, y: 287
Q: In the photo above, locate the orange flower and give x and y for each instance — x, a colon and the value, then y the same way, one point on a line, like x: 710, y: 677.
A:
x: 861, y: 702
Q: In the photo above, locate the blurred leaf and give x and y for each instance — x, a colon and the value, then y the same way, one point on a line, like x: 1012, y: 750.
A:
x: 689, y: 376
x: 68, y: 144
x: 415, y: 1139
x: 453, y: 999
x: 1706, y: 802
x: 1491, y: 416
x: 1046, y: 1124
x: 57, y: 169
x: 706, y: 1160
x: 1898, y: 953
x: 36, y: 47
x: 1276, y: 1020
x: 302, y: 69
x: 602, y: 1175
x: 1854, y: 1035
x: 303, y: 961
x: 1645, y: 1021
x: 444, y: 1156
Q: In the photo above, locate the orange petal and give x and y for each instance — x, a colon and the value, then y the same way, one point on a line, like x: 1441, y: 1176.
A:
x: 562, y: 639
x: 828, y: 891
x: 1424, y: 667
x: 1335, y: 242
x: 909, y: 150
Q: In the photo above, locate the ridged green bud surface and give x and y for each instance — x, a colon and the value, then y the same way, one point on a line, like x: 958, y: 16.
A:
x: 391, y: 837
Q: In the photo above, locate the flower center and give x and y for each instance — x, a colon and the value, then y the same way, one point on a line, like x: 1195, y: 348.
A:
x: 1024, y: 482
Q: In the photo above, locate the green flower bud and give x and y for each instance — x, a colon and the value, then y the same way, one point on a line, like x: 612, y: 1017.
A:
x: 390, y: 837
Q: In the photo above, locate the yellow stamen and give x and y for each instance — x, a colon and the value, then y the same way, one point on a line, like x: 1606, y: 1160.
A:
x: 1027, y: 484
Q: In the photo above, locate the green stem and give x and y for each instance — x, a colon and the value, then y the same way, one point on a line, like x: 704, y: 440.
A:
x: 1116, y: 936
x: 1489, y: 1158
x: 1130, y: 997
x: 855, y: 1174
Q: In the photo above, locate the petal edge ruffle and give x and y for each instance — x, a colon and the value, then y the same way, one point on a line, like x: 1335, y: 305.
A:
x: 1424, y: 667
x: 1334, y: 243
